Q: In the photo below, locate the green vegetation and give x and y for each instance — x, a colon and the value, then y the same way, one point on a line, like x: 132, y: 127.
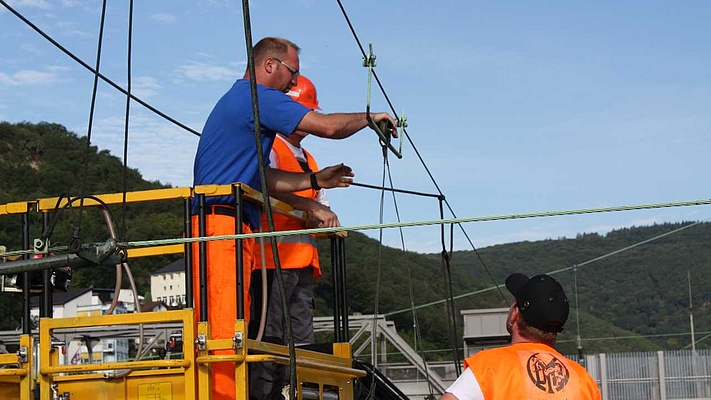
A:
x: 640, y: 297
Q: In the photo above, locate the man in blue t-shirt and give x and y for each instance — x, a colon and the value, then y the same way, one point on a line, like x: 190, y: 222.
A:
x: 227, y: 153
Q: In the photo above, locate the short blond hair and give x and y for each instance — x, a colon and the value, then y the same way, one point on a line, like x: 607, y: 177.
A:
x: 272, y: 47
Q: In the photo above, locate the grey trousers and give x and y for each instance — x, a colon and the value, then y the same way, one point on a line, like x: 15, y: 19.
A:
x: 267, y: 379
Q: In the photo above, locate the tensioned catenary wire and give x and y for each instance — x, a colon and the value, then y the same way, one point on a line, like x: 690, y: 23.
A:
x: 417, y: 333
x: 602, y: 257
x: 148, y: 243
x: 417, y: 152
x: 376, y: 306
x: 93, y: 71
x: 92, y: 107
x: 127, y: 115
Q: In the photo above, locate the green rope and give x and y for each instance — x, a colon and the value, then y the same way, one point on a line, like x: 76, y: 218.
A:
x: 148, y: 243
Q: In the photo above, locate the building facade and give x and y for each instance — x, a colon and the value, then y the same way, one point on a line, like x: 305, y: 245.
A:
x: 168, y: 284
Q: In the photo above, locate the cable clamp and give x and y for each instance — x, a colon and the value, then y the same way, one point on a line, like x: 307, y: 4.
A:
x: 40, y: 246
x: 201, y: 342
x: 237, y: 341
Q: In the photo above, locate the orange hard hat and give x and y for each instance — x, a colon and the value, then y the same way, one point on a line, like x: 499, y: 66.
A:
x: 304, y: 92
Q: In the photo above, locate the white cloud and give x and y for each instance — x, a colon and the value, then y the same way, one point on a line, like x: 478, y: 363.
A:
x: 145, y: 86
x: 207, y: 72
x: 307, y: 3
x: 158, y: 149
x: 71, y: 3
x: 31, y: 3
x: 30, y: 48
x: 28, y: 77
x: 57, y: 68
x: 164, y: 18
x: 5, y: 79
x: 68, y: 29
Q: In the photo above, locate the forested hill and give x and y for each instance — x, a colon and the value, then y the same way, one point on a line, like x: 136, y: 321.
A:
x: 639, y: 296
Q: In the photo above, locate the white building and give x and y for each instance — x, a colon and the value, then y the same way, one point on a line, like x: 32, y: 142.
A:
x: 83, y: 303
x: 168, y: 284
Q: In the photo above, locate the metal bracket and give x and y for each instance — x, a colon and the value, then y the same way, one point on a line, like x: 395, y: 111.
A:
x: 402, y: 120
x: 383, y: 129
x: 201, y: 342
x: 22, y: 355
x: 99, y: 253
x: 369, y: 60
x: 237, y: 340
x: 40, y: 246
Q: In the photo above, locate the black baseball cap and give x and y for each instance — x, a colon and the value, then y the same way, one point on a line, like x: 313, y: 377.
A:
x: 541, y: 301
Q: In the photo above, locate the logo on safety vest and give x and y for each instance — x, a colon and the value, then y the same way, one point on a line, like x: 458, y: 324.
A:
x: 547, y: 373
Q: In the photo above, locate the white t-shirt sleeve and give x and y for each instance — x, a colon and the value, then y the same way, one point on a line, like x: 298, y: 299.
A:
x: 321, y: 198
x: 466, y: 387
x: 273, y: 160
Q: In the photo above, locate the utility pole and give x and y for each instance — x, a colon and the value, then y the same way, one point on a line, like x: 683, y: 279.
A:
x: 691, y: 314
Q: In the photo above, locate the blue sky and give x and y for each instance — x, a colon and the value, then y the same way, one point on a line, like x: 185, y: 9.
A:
x: 515, y: 106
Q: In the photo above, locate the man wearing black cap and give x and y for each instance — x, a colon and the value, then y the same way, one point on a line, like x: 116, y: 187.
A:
x: 529, y: 368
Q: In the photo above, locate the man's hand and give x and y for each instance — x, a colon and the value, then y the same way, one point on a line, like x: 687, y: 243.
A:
x: 335, y: 176
x: 377, y: 117
x: 322, y: 217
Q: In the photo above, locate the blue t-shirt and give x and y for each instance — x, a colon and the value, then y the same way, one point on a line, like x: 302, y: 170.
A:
x: 227, y: 151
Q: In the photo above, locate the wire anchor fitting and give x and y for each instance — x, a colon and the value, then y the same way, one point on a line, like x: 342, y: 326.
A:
x: 383, y: 129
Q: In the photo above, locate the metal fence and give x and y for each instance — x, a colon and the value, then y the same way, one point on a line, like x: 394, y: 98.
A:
x: 662, y: 375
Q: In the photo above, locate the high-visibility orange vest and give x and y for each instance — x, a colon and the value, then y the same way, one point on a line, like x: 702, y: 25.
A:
x: 530, y: 371
x: 295, y: 251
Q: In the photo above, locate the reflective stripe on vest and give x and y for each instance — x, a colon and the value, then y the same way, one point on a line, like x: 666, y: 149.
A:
x: 301, y: 238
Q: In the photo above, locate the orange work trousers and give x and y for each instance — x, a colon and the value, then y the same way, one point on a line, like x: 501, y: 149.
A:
x: 222, y: 291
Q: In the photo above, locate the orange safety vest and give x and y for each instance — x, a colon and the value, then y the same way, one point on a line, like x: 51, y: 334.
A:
x: 295, y: 251
x: 530, y: 371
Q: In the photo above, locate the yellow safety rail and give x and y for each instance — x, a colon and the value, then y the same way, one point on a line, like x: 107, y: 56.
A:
x: 174, y: 379
x: 161, y: 379
x: 15, y: 375
x: 317, y: 372
x: 183, y: 193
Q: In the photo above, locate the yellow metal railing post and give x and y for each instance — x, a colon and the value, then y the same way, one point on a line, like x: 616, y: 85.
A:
x: 241, y: 370
x: 189, y: 354
x: 203, y: 370
x: 45, y: 356
x: 26, y: 382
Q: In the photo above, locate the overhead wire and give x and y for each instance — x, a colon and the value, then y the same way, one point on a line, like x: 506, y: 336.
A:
x: 75, y: 240
x: 588, y: 262
x: 130, y: 96
x: 417, y: 332
x: 150, y: 243
x: 376, y: 307
x: 123, y: 265
x: 451, y: 314
x: 453, y: 328
x: 127, y: 114
x: 183, y: 240
x: 95, y: 72
x: 412, y: 143
x: 267, y: 203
